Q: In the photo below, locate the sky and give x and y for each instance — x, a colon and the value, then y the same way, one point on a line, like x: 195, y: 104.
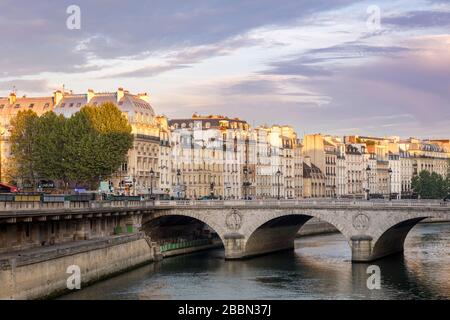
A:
x: 336, y: 67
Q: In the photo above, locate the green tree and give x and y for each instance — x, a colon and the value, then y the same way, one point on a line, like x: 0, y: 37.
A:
x: 23, y: 151
x: 90, y: 145
x: 430, y: 186
x: 98, y: 139
x: 49, y: 142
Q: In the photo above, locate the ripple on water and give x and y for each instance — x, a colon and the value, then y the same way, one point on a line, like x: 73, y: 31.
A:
x: 319, y: 268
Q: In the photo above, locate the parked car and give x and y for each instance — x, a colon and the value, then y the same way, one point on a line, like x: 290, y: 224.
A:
x: 4, y: 188
x: 209, y: 198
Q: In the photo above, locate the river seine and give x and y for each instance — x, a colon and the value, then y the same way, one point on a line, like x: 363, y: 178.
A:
x: 319, y: 268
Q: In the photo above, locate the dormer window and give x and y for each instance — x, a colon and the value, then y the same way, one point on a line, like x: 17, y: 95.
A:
x: 31, y: 105
x: 17, y: 106
x: 46, y: 105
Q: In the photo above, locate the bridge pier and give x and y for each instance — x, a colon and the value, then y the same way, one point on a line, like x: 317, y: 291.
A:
x: 234, y: 244
x: 361, y: 248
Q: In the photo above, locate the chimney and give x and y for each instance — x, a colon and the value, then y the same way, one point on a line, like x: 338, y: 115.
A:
x: 12, y: 98
x: 57, y: 97
x: 90, y: 95
x: 144, y: 96
x: 120, y: 94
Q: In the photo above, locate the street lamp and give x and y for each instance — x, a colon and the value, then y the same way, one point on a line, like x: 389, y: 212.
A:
x: 152, y: 174
x: 245, y: 182
x: 368, y: 181
x: 178, y: 181
x: 278, y: 174
x: 2, y: 133
x: 212, y: 185
x: 390, y: 183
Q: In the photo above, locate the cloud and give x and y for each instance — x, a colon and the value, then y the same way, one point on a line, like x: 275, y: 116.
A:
x: 35, y: 38
x: 25, y: 86
x: 400, y: 91
x: 187, y: 57
x: 419, y: 19
x: 286, y: 89
x: 322, y: 61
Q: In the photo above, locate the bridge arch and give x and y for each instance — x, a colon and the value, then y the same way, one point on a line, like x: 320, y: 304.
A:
x: 179, y: 225
x: 392, y: 232
x: 279, y: 228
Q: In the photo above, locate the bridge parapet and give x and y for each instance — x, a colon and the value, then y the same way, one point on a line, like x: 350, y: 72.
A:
x: 13, y: 209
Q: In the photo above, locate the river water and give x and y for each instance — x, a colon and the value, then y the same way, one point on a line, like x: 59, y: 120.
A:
x: 319, y: 268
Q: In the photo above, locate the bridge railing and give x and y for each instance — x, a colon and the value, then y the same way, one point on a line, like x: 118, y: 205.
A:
x: 8, y: 207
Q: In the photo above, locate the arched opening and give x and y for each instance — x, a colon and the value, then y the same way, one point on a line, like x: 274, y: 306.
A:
x: 280, y: 233
x: 175, y: 232
x: 275, y: 235
x: 392, y: 240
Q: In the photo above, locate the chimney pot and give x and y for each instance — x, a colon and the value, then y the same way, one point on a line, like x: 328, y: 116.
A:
x: 12, y: 98
x: 90, y: 95
x: 120, y: 94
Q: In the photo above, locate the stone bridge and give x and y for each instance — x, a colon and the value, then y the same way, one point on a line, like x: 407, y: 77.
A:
x: 373, y: 229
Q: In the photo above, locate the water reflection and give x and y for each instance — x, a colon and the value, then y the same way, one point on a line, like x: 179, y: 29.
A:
x: 319, y: 268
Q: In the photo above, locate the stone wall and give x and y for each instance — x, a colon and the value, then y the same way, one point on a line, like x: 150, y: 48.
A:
x: 40, y: 276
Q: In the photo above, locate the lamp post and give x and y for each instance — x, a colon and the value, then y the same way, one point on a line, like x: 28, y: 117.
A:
x: 390, y: 183
x: 2, y: 133
x: 152, y: 174
x: 133, y: 182
x: 178, y: 181
x: 245, y: 182
x: 368, y: 181
x: 278, y: 174
x: 212, y: 185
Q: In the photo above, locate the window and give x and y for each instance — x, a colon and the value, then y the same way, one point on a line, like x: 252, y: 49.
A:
x: 31, y: 105
x: 17, y: 106
x: 2, y: 106
x: 71, y: 105
x: 46, y: 105
x: 63, y: 105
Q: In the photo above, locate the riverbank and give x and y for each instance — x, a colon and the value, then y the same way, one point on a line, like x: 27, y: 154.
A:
x: 43, y: 272
x: 215, y: 244
x: 315, y: 227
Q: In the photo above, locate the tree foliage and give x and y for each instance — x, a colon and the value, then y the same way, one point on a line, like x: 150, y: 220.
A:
x: 23, y: 149
x: 430, y: 185
x: 90, y: 145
